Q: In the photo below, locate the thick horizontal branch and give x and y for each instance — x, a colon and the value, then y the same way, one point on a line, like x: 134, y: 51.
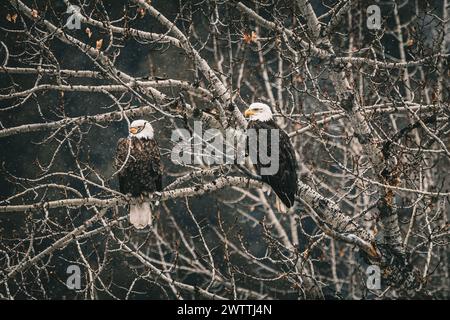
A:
x: 100, y: 118
x: 112, y: 88
x: 47, y: 71
x: 390, y: 65
x: 215, y: 185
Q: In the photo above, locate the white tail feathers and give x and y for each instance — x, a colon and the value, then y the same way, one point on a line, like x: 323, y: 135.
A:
x: 140, y: 215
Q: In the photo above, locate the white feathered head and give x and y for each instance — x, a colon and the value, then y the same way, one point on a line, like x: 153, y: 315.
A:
x: 141, y: 129
x: 259, y: 111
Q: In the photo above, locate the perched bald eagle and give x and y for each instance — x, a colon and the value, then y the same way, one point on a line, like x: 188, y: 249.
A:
x: 140, y: 172
x: 284, y: 181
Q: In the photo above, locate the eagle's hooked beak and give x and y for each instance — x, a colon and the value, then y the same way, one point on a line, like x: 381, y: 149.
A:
x: 249, y: 112
x: 133, y: 130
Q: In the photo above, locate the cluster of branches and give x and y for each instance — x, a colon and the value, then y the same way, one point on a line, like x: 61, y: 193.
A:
x: 366, y: 110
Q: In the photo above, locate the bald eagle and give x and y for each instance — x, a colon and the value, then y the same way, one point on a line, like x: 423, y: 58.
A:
x: 284, y: 181
x: 140, y: 172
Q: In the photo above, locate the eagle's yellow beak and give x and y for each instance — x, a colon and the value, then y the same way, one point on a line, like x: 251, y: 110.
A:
x: 249, y: 112
x: 133, y: 130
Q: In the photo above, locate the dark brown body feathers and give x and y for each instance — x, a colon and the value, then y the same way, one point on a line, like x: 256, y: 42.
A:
x: 142, y: 172
x: 284, y: 182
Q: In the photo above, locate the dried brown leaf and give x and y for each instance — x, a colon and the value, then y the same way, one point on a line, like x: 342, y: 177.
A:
x: 99, y: 44
x: 248, y: 38
x: 11, y: 18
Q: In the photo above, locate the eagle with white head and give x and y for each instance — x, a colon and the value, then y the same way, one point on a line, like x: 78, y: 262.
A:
x: 139, y: 163
x: 284, y: 181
